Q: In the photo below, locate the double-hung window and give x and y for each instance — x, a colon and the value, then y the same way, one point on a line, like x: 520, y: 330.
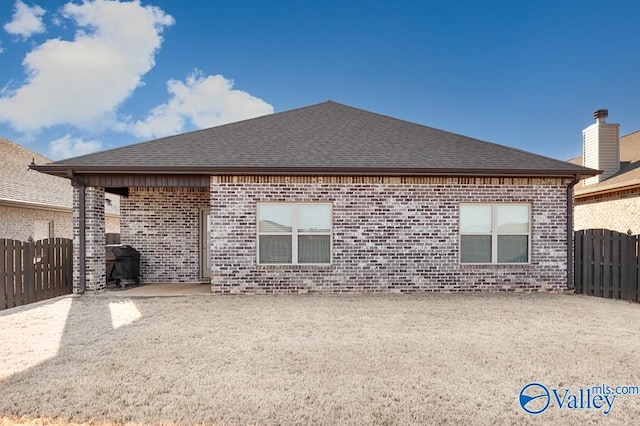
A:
x: 294, y: 233
x: 495, y: 233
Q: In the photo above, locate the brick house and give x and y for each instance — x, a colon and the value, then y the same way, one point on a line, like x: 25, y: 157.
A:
x: 329, y: 198
x: 610, y: 200
x: 38, y: 206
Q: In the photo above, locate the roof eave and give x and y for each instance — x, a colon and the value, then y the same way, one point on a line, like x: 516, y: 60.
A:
x: 607, y: 189
x: 70, y: 170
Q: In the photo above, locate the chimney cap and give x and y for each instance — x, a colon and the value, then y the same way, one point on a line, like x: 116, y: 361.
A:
x: 601, y: 114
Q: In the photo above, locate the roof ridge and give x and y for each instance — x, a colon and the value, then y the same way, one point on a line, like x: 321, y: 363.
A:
x: 192, y: 132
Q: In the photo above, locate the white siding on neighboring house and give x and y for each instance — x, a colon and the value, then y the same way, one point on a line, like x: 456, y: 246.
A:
x: 601, y: 150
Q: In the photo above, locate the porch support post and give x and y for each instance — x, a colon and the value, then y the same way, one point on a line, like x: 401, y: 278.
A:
x: 213, y: 193
x: 88, y: 240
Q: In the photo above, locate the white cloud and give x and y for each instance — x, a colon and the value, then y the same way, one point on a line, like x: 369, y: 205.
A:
x: 204, y: 101
x: 27, y: 20
x: 68, y: 146
x: 82, y: 82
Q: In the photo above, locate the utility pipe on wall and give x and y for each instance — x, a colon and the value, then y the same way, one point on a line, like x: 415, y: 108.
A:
x: 570, y: 186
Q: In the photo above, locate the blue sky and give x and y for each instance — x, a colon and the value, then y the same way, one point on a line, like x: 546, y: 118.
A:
x: 76, y: 77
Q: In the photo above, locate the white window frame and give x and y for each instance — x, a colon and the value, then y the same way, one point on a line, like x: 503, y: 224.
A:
x: 294, y: 233
x: 494, y: 234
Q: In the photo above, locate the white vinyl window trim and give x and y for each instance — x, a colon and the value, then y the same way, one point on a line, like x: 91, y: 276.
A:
x: 294, y: 234
x: 494, y: 233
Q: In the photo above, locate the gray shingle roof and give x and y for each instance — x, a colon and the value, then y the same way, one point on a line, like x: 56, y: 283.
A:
x: 325, y: 137
x: 18, y: 184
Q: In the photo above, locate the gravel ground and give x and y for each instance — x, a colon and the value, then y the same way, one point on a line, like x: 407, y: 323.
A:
x: 358, y: 359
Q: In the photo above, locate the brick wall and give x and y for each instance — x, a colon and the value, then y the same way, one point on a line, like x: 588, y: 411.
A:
x: 20, y: 223
x: 389, y: 235
x: 617, y: 211
x: 163, y: 224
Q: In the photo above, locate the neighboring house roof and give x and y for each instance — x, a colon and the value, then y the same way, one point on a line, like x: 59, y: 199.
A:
x: 626, y: 178
x: 21, y: 186
x: 327, y: 138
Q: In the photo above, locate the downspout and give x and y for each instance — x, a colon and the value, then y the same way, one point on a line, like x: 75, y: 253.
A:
x: 570, y: 264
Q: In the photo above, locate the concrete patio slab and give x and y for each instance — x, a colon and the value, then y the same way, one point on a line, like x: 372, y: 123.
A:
x: 149, y: 290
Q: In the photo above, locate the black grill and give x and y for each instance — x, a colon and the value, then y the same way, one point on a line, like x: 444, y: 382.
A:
x: 123, y: 263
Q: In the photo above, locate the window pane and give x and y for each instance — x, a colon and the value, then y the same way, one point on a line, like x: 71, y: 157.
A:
x: 314, y: 218
x: 513, y: 249
x: 475, y: 249
x: 275, y: 217
x: 275, y: 249
x: 475, y: 219
x: 513, y: 219
x: 314, y: 249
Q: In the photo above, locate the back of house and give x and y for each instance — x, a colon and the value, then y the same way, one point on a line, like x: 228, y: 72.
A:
x: 328, y: 198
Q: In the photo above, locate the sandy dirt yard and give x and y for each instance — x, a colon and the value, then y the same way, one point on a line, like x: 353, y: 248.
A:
x: 361, y: 359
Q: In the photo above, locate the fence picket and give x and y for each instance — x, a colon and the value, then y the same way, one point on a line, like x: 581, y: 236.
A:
x: 607, y: 261
x: 3, y: 274
x: 54, y: 269
x: 635, y: 273
x: 597, y: 264
x: 11, y: 274
x: 48, y: 244
x: 38, y: 267
x: 28, y: 276
x: 68, y: 267
x: 615, y: 266
x: 577, y: 262
x: 587, y: 264
x: 58, y: 266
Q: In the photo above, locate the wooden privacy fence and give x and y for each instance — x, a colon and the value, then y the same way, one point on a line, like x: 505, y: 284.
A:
x: 33, y: 271
x: 606, y: 264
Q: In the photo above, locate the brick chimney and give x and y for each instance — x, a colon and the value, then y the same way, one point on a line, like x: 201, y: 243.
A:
x: 601, y: 147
